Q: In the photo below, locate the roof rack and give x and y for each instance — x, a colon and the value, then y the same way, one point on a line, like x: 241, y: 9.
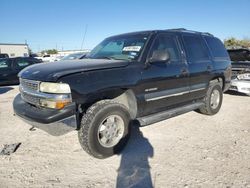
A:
x: 206, y: 33
x: 189, y: 31
x: 178, y: 29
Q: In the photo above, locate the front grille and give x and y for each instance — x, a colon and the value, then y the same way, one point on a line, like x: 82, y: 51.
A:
x: 29, y: 84
x: 30, y: 98
x: 27, y: 90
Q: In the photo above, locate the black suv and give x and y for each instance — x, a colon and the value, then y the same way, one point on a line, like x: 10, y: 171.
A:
x: 147, y: 76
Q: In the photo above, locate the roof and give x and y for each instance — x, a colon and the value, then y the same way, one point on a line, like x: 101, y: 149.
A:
x: 14, y: 44
x: 179, y: 30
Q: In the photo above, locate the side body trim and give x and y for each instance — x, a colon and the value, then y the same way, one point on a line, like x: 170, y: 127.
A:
x: 174, y: 92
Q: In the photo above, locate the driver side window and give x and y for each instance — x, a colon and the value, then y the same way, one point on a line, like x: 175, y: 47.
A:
x: 167, y: 43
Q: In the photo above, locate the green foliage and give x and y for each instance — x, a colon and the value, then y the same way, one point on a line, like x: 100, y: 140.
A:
x: 50, y: 51
x: 233, y: 42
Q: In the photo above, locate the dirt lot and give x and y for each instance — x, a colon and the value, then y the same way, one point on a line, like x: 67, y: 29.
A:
x: 191, y: 150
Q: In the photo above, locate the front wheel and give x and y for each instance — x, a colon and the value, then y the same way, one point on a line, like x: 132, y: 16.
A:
x: 213, y: 100
x: 104, y: 129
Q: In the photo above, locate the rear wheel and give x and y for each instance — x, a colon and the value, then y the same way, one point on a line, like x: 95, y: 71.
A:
x: 213, y: 100
x: 104, y: 129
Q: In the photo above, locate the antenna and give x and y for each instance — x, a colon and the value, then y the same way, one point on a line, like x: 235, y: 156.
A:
x: 84, y: 35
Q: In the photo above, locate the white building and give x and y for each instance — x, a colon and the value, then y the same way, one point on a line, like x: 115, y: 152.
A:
x: 14, y: 50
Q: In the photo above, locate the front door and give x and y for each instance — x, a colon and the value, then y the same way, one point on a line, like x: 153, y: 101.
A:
x: 165, y: 84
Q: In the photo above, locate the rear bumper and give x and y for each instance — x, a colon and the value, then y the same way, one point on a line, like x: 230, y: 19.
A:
x: 240, y: 86
x: 54, y: 122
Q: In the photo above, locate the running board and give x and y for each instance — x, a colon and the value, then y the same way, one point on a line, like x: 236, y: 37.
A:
x: 150, y: 119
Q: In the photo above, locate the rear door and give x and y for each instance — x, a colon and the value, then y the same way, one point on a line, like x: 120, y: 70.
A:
x: 199, y: 63
x: 165, y: 84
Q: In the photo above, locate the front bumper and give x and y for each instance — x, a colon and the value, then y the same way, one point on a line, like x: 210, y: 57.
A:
x: 54, y: 122
x: 242, y: 86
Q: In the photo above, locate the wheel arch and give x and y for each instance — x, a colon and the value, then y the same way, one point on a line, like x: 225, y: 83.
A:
x: 128, y: 99
x: 123, y: 96
x: 220, y: 79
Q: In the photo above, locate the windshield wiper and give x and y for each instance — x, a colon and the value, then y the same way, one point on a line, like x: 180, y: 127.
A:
x: 106, y: 57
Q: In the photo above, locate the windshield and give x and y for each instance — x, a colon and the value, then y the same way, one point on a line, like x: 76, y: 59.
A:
x: 239, y: 55
x: 123, y: 47
x: 4, y: 56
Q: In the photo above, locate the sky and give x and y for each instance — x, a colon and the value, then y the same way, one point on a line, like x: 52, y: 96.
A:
x: 61, y: 24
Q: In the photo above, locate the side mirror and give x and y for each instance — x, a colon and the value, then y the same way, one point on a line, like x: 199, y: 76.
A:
x: 159, y: 56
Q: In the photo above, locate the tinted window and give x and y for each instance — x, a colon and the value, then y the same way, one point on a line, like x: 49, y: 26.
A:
x: 23, y: 63
x: 216, y: 46
x: 4, y: 63
x: 168, y: 43
x: 4, y: 55
x: 195, y: 48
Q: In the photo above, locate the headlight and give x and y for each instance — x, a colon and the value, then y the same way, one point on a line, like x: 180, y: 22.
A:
x: 245, y: 76
x: 48, y: 87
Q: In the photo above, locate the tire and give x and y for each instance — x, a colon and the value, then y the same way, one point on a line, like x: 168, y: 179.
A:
x: 212, y: 104
x: 95, y: 137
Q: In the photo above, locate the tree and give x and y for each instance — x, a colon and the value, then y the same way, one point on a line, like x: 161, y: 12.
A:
x: 50, y: 51
x: 233, y: 42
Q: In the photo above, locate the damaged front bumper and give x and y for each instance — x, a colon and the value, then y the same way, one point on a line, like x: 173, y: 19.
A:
x: 53, y: 121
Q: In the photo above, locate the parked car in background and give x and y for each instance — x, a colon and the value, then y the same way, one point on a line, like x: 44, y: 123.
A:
x: 73, y: 56
x: 240, y: 70
x: 48, y: 58
x: 4, y: 56
x: 240, y: 54
x: 10, y: 67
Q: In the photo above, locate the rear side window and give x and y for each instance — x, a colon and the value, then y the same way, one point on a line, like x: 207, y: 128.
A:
x: 217, y: 48
x: 23, y: 63
x: 195, y: 48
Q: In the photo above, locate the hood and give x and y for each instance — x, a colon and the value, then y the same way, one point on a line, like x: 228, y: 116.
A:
x: 52, y: 71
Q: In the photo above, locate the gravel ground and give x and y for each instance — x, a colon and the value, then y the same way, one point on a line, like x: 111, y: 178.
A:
x: 191, y: 150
